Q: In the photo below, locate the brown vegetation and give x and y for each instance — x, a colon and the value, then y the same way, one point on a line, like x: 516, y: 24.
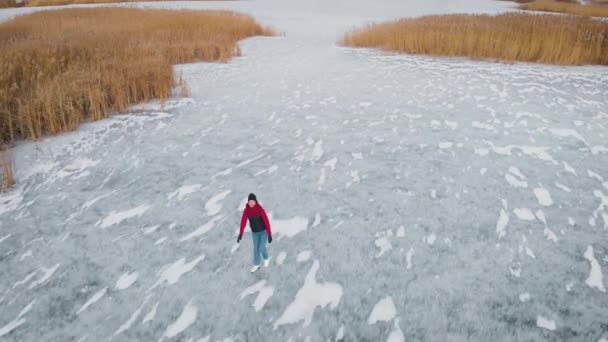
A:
x: 6, y: 166
x: 594, y: 9
x: 62, y: 67
x: 538, y: 38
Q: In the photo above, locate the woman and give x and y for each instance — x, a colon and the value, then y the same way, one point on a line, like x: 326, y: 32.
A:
x: 260, y: 226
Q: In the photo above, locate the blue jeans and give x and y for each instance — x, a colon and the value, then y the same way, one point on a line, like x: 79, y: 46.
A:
x: 259, y: 246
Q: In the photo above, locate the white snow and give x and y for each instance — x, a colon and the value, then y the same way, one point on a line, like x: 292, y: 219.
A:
x: 543, y: 196
x: 288, y: 228
x: 172, y: 272
x: 400, y: 232
x: 384, y: 310
x: 202, y: 229
x: 445, y: 144
x: 408, y: 258
x: 515, y: 178
x: 151, y: 230
x: 545, y: 323
x: 524, y: 214
x: 431, y: 239
x: 501, y: 224
x: 96, y: 297
x: 384, y: 245
x: 18, y: 321
x: 340, y: 334
x: 126, y: 280
x: 281, y: 257
x: 47, y: 273
x: 264, y: 294
x: 185, y: 319
x: 310, y: 295
x: 317, y: 152
x: 184, y: 191
x: 595, y: 278
x: 396, y: 334
x: 304, y: 256
x: 117, y: 217
x: 5, y: 237
x: 524, y: 297
x: 150, y: 316
x: 213, y: 205
x: 125, y: 326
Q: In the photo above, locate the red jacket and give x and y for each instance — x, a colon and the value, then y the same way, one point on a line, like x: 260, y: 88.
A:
x: 258, y: 220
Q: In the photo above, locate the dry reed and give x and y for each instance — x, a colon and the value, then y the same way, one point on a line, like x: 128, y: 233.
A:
x: 62, y: 67
x: 525, y: 37
x: 6, y: 166
x: 594, y: 9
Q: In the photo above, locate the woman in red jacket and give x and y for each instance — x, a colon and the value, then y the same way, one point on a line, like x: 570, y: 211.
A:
x: 260, y: 227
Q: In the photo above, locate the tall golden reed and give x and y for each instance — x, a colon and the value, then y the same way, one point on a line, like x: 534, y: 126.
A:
x: 62, y: 67
x: 594, y: 9
x: 550, y: 39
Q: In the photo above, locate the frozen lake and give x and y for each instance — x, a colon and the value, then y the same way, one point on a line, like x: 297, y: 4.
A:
x: 411, y: 198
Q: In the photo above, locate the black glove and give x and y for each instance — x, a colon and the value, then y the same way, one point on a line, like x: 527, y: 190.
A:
x: 269, y: 239
x: 238, y: 240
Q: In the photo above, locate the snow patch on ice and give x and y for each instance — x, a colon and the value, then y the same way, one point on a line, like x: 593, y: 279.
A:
x: 281, y: 257
x: 184, y: 191
x: 288, y: 228
x: 213, y: 205
x: 384, y: 310
x: 310, y: 295
x: 545, y: 323
x: 594, y: 280
x: 18, y: 321
x: 524, y: 214
x: 172, y: 272
x: 396, y: 334
x: 185, y: 319
x: 384, y: 245
x: 304, y: 256
x: 202, y: 229
x: 501, y: 224
x: 117, y: 217
x: 126, y: 280
x: 543, y: 196
x: 96, y: 297
x: 264, y: 294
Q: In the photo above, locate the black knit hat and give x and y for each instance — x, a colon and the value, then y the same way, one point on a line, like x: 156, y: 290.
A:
x: 252, y: 197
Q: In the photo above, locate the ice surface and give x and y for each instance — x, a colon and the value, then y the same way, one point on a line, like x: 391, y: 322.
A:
x: 290, y: 110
